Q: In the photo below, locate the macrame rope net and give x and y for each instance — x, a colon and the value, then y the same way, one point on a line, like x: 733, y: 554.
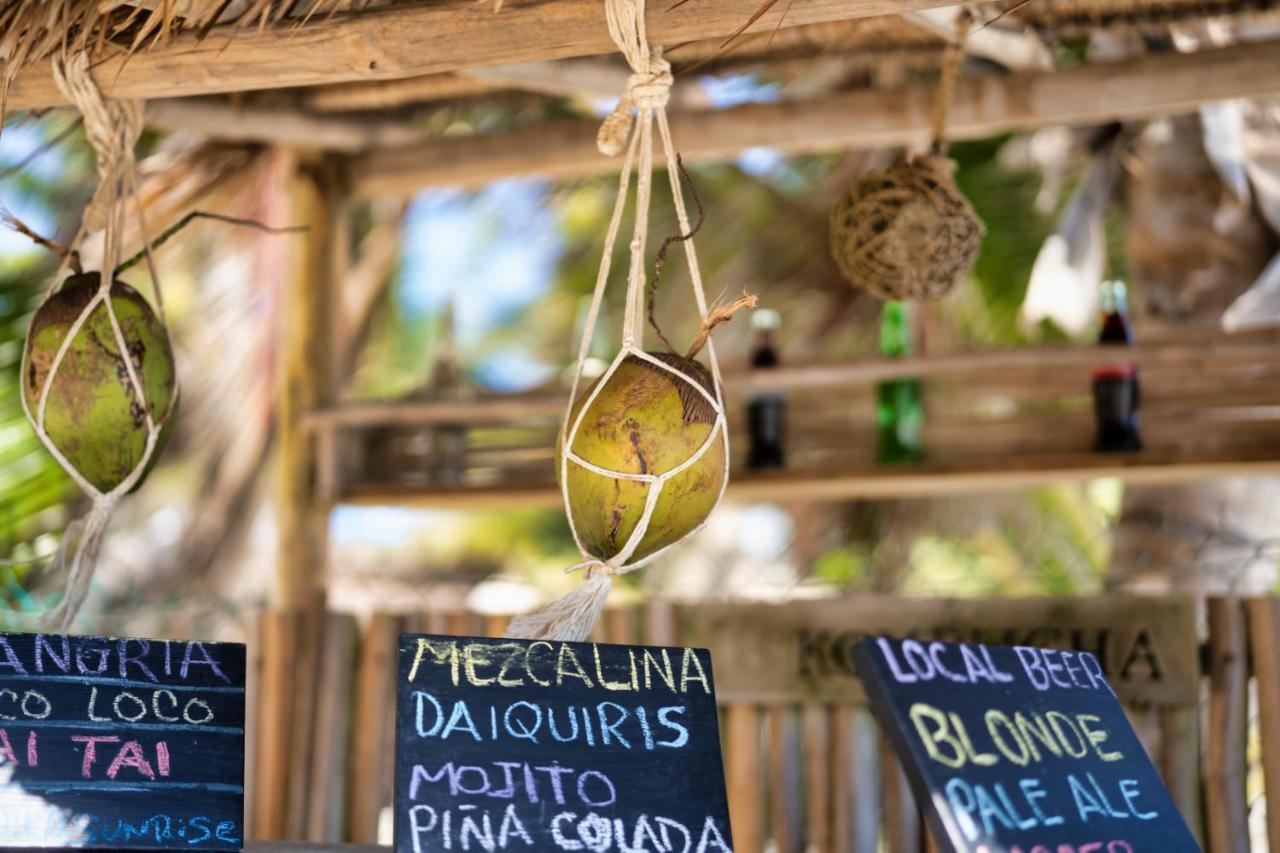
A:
x: 113, y: 128
x: 572, y: 617
x: 907, y: 232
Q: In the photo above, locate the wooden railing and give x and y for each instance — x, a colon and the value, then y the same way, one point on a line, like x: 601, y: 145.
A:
x: 806, y: 767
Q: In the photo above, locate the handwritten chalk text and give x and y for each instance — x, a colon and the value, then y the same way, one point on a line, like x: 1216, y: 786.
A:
x: 602, y: 724
x: 616, y: 669
x: 468, y: 826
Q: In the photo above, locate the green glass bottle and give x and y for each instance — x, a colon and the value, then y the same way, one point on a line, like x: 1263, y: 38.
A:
x: 899, y: 413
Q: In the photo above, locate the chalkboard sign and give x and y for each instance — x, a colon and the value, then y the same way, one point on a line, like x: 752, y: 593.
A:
x: 1018, y: 749
x: 121, y: 743
x: 518, y: 745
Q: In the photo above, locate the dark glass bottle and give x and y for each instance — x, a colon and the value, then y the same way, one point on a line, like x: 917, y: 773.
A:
x: 766, y: 411
x: 1115, y: 386
x: 899, y: 410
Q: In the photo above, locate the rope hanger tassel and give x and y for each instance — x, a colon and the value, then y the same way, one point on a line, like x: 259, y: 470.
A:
x: 113, y: 129
x: 630, y: 129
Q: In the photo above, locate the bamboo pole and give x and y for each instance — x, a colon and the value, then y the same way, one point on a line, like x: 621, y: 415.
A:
x: 1154, y: 85
x: 220, y: 119
x: 1180, y: 763
x: 329, y: 791
x: 278, y: 635
x: 1226, y: 812
x: 373, y: 728
x: 901, y: 818
x: 304, y: 699
x: 301, y: 517
x: 866, y: 793
x: 1264, y: 642
x: 785, y: 791
x: 817, y: 773
x: 840, y: 720
x: 743, y: 777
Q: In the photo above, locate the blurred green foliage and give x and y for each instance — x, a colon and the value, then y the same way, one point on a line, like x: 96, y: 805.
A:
x: 766, y: 232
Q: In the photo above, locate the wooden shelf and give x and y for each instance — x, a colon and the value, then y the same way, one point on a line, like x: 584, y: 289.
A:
x: 1189, y: 352
x: 996, y: 419
x: 881, y: 482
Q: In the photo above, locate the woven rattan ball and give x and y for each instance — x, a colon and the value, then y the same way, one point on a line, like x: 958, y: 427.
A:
x: 906, y: 232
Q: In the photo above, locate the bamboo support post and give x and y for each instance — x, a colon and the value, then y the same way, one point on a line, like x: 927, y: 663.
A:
x: 660, y: 623
x: 840, y: 723
x: 1264, y: 642
x: 817, y: 772
x: 278, y: 636
x: 302, y: 518
x: 1180, y: 763
x: 330, y: 764
x: 901, y: 819
x: 1226, y: 812
x: 786, y: 789
x: 373, y: 730
x: 303, y: 701
x: 743, y: 777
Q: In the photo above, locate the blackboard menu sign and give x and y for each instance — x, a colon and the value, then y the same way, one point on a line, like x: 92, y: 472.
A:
x: 121, y: 743
x: 1018, y: 749
x: 519, y: 745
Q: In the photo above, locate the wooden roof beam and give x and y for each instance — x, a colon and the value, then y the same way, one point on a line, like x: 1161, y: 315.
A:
x: 219, y: 119
x: 1162, y: 84
x: 401, y: 41
x: 588, y: 77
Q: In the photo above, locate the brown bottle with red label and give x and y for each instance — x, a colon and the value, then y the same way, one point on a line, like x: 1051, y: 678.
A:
x: 1115, y: 386
x: 766, y: 411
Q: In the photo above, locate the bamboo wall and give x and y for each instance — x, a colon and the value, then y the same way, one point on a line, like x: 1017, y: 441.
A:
x: 801, y: 776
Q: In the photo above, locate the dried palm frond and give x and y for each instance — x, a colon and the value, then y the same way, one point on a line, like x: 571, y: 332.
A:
x: 35, y: 29
x: 174, y: 181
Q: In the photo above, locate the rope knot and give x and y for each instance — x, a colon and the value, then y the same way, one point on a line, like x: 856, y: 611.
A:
x: 646, y: 90
x: 596, y: 567
x: 112, y: 127
x: 651, y: 90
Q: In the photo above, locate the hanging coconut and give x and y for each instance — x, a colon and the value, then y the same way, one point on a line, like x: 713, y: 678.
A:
x: 906, y: 232
x: 644, y: 452
x: 646, y: 420
x: 92, y: 414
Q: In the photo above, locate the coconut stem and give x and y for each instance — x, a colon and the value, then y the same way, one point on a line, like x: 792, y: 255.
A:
x: 661, y: 259
x: 16, y: 224
x: 200, y: 214
x: 719, y: 314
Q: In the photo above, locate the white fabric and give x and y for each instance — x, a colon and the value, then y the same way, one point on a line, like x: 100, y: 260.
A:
x: 572, y: 618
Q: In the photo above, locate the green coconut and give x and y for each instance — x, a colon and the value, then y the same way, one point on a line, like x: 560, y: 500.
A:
x: 646, y: 420
x: 92, y: 415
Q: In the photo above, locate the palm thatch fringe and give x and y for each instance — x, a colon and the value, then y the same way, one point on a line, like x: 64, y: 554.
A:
x: 34, y: 29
